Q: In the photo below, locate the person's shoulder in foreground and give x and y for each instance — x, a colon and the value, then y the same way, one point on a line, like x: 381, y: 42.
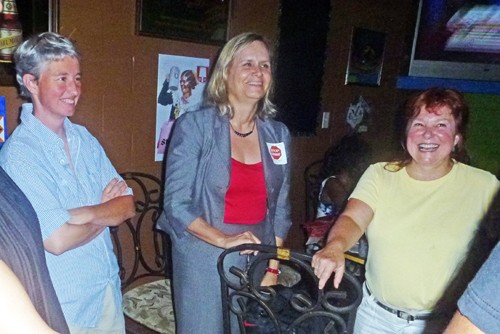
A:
x: 479, y: 306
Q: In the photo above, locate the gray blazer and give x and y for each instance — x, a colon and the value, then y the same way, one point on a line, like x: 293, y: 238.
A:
x: 198, y: 173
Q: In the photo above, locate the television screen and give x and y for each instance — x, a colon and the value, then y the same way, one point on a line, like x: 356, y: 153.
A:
x: 457, y: 39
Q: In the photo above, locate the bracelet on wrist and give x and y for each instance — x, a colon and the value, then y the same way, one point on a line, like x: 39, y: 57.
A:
x: 273, y: 271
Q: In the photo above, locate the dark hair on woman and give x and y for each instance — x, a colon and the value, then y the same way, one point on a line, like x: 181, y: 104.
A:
x: 190, y: 78
x: 433, y: 99
x: 351, y: 155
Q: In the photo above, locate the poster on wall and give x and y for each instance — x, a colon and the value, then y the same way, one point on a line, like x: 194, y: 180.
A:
x: 366, y: 58
x: 3, y: 121
x: 181, y: 82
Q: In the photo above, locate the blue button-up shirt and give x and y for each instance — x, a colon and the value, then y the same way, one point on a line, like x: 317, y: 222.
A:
x: 35, y: 159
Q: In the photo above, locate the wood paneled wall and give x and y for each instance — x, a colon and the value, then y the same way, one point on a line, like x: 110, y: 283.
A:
x: 120, y: 69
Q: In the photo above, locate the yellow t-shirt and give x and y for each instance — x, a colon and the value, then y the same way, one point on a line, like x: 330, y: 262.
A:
x: 420, y: 230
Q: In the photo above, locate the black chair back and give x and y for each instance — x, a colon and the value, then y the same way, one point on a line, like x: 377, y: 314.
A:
x: 302, y: 308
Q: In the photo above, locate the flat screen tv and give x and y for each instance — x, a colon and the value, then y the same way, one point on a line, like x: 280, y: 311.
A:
x: 457, y: 39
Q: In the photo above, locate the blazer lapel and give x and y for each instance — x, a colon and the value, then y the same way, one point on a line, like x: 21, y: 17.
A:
x: 222, y: 141
x: 272, y: 172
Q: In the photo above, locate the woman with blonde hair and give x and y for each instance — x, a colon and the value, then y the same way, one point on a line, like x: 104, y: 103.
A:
x: 227, y: 181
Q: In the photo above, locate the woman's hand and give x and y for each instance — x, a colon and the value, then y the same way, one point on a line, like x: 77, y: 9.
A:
x: 240, y: 239
x: 348, y: 228
x: 204, y: 231
x: 113, y: 189
x: 326, y: 261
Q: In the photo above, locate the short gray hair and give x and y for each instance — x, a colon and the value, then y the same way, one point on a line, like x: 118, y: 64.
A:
x: 217, y: 92
x: 36, y: 51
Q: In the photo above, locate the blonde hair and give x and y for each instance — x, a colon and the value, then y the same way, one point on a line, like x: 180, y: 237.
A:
x: 217, y: 92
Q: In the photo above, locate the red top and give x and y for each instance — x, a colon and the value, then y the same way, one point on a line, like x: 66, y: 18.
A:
x: 246, y: 195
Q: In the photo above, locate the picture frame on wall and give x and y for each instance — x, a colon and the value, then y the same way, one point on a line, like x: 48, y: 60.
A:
x: 205, y: 22
x: 36, y: 16
x: 366, y: 57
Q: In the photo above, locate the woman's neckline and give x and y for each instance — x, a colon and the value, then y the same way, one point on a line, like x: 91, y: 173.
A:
x: 418, y: 176
x: 242, y: 163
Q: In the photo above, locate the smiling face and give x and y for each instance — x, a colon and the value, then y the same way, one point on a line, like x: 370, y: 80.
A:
x: 249, y: 74
x: 432, y: 134
x: 188, y: 83
x: 185, y: 88
x: 56, y: 92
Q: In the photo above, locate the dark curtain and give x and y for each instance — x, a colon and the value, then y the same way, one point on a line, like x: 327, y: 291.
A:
x: 303, y: 34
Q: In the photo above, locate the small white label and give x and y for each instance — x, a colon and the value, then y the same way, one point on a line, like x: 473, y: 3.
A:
x: 277, y: 152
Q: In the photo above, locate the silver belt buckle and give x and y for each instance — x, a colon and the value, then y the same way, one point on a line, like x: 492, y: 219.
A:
x: 405, y: 316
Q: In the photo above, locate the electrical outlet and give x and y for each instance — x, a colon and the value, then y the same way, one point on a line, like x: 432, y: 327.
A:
x: 325, y: 120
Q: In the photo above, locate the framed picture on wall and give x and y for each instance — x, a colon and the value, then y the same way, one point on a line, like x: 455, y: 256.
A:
x: 197, y: 21
x: 35, y: 16
x: 366, y: 58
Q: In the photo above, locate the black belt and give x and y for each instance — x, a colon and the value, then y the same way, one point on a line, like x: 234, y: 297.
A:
x: 400, y: 314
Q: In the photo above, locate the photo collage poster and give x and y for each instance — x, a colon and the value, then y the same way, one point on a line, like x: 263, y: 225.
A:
x: 181, y: 83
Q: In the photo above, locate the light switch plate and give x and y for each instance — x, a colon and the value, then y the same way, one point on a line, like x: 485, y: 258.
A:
x: 325, y: 120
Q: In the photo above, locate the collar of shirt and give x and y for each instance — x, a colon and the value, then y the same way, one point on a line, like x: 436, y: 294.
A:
x: 42, y: 132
